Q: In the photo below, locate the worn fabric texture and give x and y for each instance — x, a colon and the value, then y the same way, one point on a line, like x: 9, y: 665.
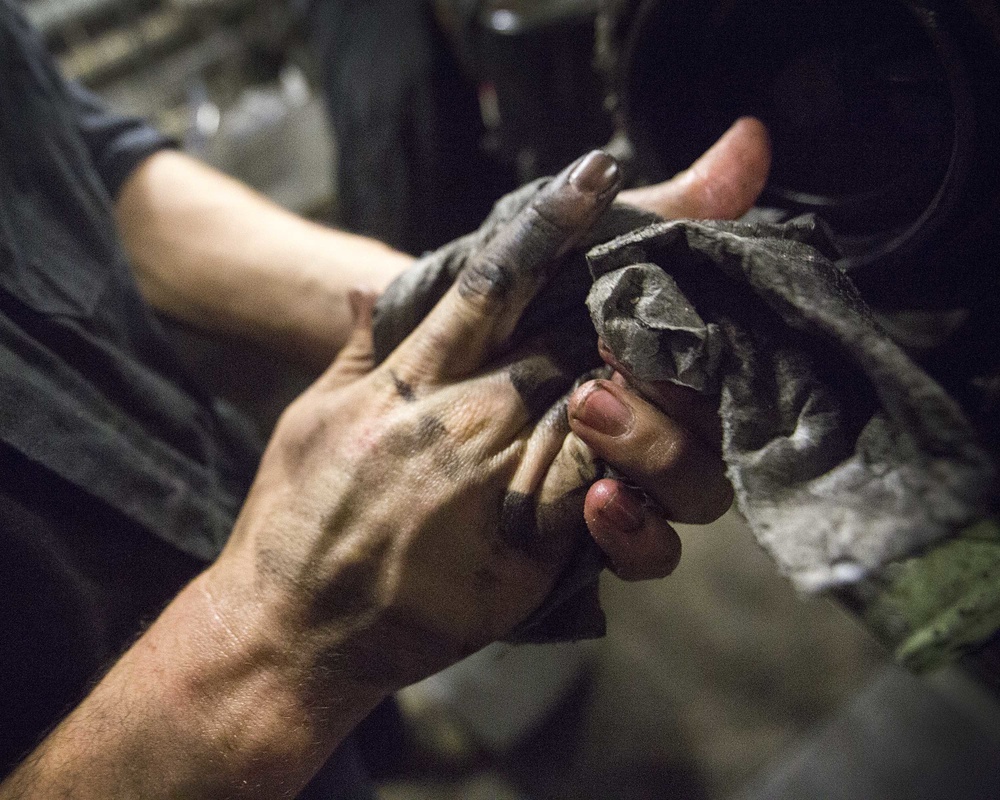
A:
x: 843, y: 453
x: 90, y: 386
x: 934, y: 607
x: 120, y: 475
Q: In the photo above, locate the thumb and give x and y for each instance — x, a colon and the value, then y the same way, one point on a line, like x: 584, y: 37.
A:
x: 357, y: 357
x: 722, y: 184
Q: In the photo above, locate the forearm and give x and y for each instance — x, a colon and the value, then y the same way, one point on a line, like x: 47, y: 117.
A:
x: 210, y: 702
x: 214, y: 253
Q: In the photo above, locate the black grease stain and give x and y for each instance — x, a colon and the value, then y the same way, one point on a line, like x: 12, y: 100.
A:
x: 485, y: 279
x: 403, y: 389
x: 275, y: 566
x: 539, y: 382
x: 558, y: 358
x: 429, y: 431
x: 556, y: 419
x: 353, y: 590
x: 410, y: 439
x: 545, y: 532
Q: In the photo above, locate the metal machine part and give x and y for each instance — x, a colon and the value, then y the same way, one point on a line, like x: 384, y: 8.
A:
x: 883, y: 115
x: 226, y: 78
x: 542, y: 101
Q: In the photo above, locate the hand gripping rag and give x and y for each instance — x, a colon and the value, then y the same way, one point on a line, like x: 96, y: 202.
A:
x: 843, y: 453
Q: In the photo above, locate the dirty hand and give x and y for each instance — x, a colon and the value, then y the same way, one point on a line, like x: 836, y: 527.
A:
x: 664, y: 438
x: 383, y: 534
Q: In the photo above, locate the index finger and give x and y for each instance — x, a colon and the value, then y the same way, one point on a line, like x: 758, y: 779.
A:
x: 484, y: 304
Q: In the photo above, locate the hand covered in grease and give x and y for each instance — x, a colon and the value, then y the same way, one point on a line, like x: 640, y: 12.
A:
x: 665, y: 438
x: 384, y: 533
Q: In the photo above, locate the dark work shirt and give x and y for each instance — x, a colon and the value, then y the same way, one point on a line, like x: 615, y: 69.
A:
x: 89, y: 386
x: 119, y: 477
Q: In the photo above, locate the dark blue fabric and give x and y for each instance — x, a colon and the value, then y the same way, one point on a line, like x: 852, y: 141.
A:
x: 120, y: 478
x: 117, y: 143
x: 89, y: 385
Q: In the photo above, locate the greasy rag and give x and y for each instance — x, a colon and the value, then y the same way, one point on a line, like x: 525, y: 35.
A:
x: 843, y: 453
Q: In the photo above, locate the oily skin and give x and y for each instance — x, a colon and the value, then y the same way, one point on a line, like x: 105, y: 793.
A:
x: 383, y: 523
x: 461, y: 443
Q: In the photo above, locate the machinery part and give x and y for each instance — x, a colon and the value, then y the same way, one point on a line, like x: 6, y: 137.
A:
x: 883, y: 114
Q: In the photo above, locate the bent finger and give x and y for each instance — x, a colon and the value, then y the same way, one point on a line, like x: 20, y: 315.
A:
x: 638, y: 542
x: 724, y: 183
x: 482, y: 307
x: 686, y: 478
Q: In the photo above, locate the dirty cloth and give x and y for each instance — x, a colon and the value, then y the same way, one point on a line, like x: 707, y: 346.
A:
x: 843, y: 453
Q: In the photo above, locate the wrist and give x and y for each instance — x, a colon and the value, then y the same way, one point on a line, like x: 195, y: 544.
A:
x: 210, y: 702
x: 261, y: 635
x: 240, y: 688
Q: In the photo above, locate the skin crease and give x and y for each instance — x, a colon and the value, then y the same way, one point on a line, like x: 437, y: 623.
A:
x: 351, y: 569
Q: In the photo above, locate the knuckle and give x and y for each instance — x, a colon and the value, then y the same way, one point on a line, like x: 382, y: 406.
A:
x: 486, y: 280
x: 545, y: 221
x: 542, y: 233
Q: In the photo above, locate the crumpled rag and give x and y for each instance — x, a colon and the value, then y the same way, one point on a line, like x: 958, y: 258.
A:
x: 843, y: 453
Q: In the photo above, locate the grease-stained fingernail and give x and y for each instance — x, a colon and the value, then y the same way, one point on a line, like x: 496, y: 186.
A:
x: 602, y: 411
x: 596, y: 173
x: 623, y: 512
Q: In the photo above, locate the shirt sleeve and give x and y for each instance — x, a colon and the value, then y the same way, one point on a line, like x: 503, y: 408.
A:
x: 118, y: 143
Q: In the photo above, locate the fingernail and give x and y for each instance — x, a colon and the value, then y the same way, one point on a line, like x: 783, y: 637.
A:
x: 596, y: 173
x: 623, y: 512
x: 603, y: 412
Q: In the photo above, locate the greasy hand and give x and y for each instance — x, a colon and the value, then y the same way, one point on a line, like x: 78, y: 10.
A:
x: 382, y: 535
x: 665, y: 438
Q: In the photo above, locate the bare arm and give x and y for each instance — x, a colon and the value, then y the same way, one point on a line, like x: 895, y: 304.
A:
x: 214, y: 253
x: 214, y: 701
x: 370, y: 553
